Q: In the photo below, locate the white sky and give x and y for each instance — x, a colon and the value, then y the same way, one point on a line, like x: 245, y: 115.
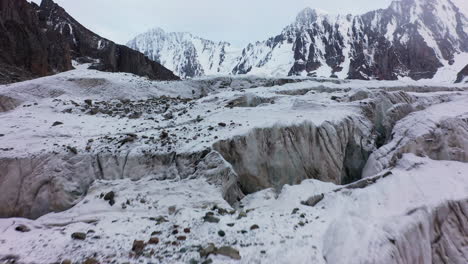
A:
x: 236, y: 21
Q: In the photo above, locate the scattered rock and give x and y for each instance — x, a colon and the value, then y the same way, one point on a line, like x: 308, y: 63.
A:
x: 88, y: 102
x: 57, y: 123
x: 187, y: 230
x: 222, y: 124
x: 9, y: 259
x: 210, y: 218
x: 110, y: 196
x: 78, y: 236
x: 314, y: 200
x: 253, y: 227
x: 228, y: 252
x: 295, y: 210
x: 153, y: 241
x: 221, y: 233
x: 91, y: 261
x: 66, y: 261
x: 155, y: 233
x: 205, y: 252
x: 72, y: 150
x: 163, y: 135
x: 181, y: 238
x: 168, y: 115
x: 241, y: 215
x: 22, y: 228
x: 138, y: 246
x: 135, y: 115
x: 172, y: 209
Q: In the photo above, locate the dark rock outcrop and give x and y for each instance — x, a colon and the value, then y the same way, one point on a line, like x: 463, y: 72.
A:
x: 25, y: 50
x: 41, y: 40
x: 463, y: 75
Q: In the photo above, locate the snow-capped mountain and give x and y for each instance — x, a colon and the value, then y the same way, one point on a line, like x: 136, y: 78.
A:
x: 419, y: 39
x: 187, y: 55
x: 411, y: 38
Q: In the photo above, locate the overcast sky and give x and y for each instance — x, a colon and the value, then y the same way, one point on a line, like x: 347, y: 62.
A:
x: 236, y: 21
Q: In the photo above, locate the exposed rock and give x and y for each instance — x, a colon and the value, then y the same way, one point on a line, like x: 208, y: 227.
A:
x: 138, y: 246
x: 110, y: 196
x: 314, y: 200
x: 22, y: 228
x: 153, y: 241
x: 210, y: 219
x: 57, y: 123
x: 249, y: 100
x: 26, y: 50
x: 38, y: 41
x: 91, y: 261
x: 78, y: 236
x: 228, y: 252
x: 205, y: 252
x: 253, y: 227
x: 462, y: 76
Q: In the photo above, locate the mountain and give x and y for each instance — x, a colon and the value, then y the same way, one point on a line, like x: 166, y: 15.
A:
x: 187, y: 55
x: 42, y: 40
x: 419, y: 39
x: 26, y: 51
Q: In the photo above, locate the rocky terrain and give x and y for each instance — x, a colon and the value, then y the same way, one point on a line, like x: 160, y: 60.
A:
x: 100, y: 167
x: 43, y: 40
x: 416, y: 39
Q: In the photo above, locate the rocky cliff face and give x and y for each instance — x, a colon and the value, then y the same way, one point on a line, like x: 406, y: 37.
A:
x: 25, y: 50
x: 410, y: 38
x: 84, y: 43
x: 42, y: 40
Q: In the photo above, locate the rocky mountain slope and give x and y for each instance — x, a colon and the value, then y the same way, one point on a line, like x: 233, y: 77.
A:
x: 185, y: 54
x: 419, y: 39
x: 111, y: 167
x: 43, y: 40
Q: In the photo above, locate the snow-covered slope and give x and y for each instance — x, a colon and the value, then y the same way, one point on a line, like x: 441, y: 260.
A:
x: 419, y: 39
x: 185, y: 54
x: 116, y: 168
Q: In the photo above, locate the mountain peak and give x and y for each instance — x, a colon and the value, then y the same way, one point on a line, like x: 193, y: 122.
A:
x: 309, y: 15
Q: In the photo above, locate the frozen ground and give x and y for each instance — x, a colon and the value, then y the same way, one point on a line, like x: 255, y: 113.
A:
x: 229, y: 161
